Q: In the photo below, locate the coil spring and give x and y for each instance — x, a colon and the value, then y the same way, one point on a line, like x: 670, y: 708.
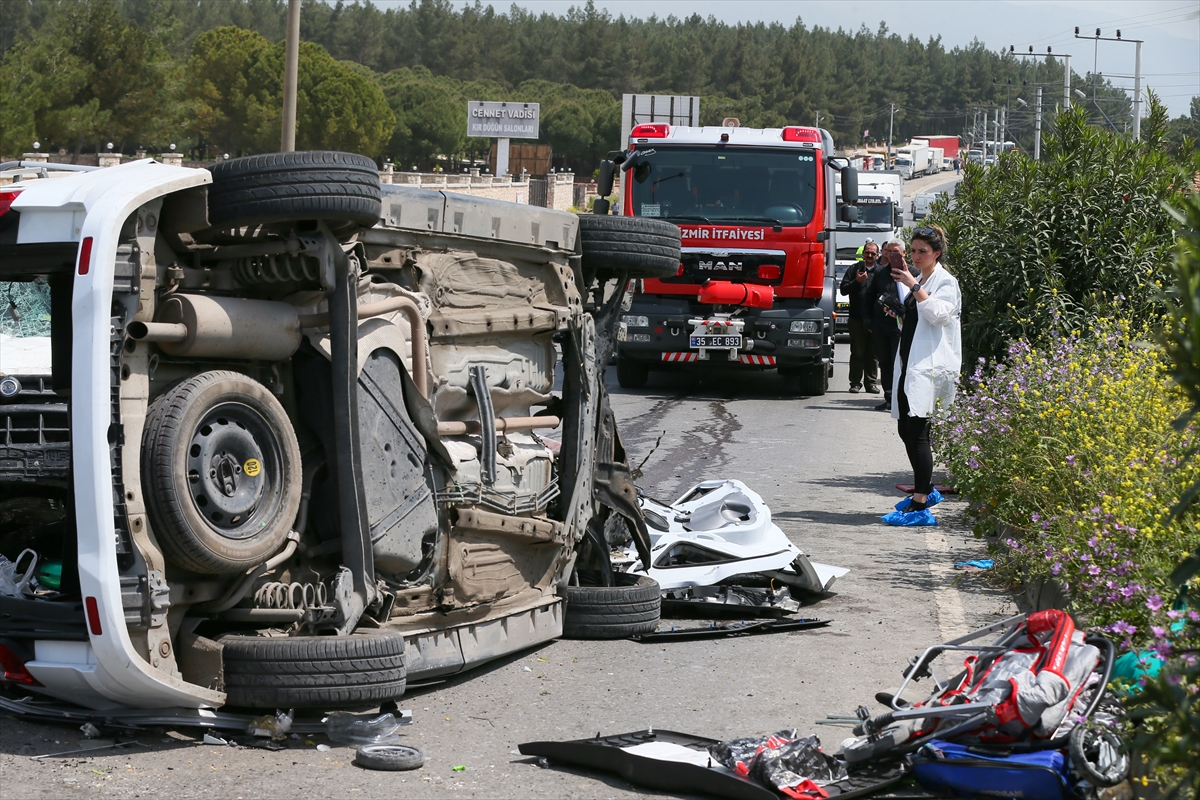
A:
x: 277, y: 594
x: 276, y: 269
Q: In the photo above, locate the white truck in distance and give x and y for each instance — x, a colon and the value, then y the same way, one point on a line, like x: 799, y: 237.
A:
x: 880, y: 195
x: 936, y: 154
x: 912, y: 161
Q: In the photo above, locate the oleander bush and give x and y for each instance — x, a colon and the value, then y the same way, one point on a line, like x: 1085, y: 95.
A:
x: 1075, y: 233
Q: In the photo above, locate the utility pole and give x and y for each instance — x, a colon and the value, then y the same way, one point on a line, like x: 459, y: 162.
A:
x: 1137, y: 77
x: 891, y: 126
x: 1037, y: 127
x: 818, y: 125
x: 1066, y: 83
x: 996, y: 134
x: 291, y: 69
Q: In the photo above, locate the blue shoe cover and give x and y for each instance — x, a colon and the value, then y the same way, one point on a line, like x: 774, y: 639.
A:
x: 931, y: 500
x: 915, y: 519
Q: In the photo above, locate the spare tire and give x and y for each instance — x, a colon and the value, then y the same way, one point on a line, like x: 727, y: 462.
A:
x: 633, y: 606
x: 361, y: 670
x: 636, y: 246
x: 341, y: 189
x: 220, y: 473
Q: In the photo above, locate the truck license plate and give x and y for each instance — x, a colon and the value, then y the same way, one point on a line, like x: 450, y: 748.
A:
x: 717, y: 342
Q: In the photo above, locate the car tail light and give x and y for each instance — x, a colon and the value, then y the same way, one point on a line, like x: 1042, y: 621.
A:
x: 769, y: 272
x: 6, y: 201
x: 655, y: 130
x: 14, y: 668
x: 93, y: 612
x: 801, y: 135
x: 85, y: 256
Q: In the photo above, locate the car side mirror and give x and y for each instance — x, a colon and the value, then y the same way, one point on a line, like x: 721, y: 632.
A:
x: 849, y: 213
x: 897, y: 218
x: 849, y: 185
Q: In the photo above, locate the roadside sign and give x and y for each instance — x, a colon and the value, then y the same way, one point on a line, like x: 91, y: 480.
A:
x: 503, y: 120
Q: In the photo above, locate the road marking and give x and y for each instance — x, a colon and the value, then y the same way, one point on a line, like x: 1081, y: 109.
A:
x: 952, y: 617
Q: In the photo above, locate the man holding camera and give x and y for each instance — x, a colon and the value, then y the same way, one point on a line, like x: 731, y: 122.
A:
x: 884, y: 301
x: 856, y: 284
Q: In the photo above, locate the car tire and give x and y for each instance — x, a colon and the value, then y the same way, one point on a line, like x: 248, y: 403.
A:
x: 221, y: 473
x: 814, y: 380
x: 341, y: 189
x: 632, y: 607
x: 389, y: 757
x: 361, y: 670
x: 634, y: 246
x: 632, y: 374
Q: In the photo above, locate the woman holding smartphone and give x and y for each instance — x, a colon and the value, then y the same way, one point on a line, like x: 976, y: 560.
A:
x: 927, y: 363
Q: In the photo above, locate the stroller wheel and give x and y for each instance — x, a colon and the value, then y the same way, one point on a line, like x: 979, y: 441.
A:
x: 1099, y: 755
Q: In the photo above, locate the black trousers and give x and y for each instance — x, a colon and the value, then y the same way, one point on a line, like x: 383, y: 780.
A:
x: 887, y: 342
x: 914, y: 432
x: 862, y: 355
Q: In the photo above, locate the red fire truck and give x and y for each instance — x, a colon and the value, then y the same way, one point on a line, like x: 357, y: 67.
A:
x: 754, y: 289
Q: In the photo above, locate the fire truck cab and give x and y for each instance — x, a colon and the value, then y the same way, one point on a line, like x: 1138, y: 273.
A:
x: 754, y: 289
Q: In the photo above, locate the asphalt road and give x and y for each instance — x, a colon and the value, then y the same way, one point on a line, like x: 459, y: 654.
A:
x: 827, y: 467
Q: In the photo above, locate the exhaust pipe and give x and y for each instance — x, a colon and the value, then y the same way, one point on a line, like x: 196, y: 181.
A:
x: 203, y: 326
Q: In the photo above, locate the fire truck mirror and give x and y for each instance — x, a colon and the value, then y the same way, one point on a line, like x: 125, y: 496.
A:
x: 849, y: 213
x: 849, y: 185
x: 604, y: 181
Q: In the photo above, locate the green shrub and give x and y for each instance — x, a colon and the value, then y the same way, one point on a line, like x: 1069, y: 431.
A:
x: 1071, y: 234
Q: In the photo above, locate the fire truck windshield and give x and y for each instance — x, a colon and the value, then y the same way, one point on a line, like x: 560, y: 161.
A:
x: 725, y: 185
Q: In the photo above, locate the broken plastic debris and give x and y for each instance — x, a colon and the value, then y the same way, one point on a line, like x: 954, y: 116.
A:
x: 346, y: 728
x: 527, y: 669
x: 275, y: 726
x: 323, y: 748
x: 210, y: 739
x: 459, y: 768
x: 90, y: 731
x: 976, y: 563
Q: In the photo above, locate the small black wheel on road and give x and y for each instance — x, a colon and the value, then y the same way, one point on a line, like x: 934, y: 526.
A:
x: 632, y: 374
x: 636, y: 246
x: 389, y: 757
x: 632, y: 607
x: 814, y: 380
x: 324, y: 672
x: 339, y: 188
x: 221, y: 472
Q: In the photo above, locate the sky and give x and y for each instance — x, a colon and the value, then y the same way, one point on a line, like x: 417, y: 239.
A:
x: 1170, y: 28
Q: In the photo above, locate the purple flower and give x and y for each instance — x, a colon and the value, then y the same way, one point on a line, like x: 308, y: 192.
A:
x: 1071, y: 461
x: 1158, y: 631
x: 1121, y: 626
x: 1154, y: 603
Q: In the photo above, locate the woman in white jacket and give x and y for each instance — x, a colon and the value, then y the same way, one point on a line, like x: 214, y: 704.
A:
x: 927, y: 362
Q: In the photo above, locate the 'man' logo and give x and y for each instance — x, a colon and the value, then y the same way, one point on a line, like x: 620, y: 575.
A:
x: 720, y: 266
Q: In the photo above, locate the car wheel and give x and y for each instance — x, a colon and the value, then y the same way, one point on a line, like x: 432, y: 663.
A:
x: 633, y: 606
x: 339, y: 188
x: 389, y: 757
x: 221, y: 473
x: 324, y: 672
x: 632, y: 374
x: 635, y: 246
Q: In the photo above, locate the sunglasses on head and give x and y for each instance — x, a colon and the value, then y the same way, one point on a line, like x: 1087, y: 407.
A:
x: 931, y: 234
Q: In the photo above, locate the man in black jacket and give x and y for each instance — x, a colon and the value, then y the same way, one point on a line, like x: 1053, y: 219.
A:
x: 884, y: 303
x: 856, y: 284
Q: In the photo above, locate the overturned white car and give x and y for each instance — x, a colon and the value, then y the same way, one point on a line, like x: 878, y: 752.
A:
x: 283, y: 436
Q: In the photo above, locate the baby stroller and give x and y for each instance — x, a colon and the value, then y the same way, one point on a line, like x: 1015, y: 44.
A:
x: 1026, y: 717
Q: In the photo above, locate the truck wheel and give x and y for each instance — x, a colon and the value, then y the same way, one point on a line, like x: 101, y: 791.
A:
x: 632, y: 374
x: 221, y: 473
x: 636, y: 246
x: 633, y: 606
x: 326, y: 672
x: 339, y: 188
x: 814, y: 380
